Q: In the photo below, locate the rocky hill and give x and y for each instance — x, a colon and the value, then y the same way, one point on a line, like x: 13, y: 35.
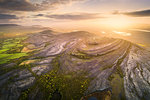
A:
x: 73, y: 66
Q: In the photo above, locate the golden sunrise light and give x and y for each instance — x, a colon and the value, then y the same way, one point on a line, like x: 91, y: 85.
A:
x: 118, y: 22
x: 74, y: 49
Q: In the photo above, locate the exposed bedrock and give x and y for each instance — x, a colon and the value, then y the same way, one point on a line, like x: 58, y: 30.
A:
x: 78, y: 65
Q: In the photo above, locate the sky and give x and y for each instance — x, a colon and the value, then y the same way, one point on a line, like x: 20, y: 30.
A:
x: 75, y: 14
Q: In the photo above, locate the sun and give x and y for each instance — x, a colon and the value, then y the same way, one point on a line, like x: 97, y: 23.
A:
x: 118, y: 22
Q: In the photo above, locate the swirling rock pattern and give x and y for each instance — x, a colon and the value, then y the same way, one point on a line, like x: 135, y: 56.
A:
x: 115, y: 69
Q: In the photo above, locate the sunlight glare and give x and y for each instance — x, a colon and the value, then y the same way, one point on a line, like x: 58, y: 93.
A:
x: 118, y: 22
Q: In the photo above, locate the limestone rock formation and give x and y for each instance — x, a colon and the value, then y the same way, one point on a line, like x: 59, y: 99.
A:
x: 77, y: 65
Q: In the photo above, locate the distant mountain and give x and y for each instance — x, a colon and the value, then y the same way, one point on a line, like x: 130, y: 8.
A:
x: 12, y: 30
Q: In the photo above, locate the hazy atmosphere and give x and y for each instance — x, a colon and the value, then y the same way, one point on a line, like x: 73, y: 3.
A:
x: 96, y: 16
x: 74, y: 49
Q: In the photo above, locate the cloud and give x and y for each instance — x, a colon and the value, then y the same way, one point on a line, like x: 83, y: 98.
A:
x: 27, y: 5
x: 9, y: 9
x: 17, y: 5
x: 142, y: 13
x: 7, y: 16
x: 5, y: 25
x: 40, y: 15
x: 70, y: 16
